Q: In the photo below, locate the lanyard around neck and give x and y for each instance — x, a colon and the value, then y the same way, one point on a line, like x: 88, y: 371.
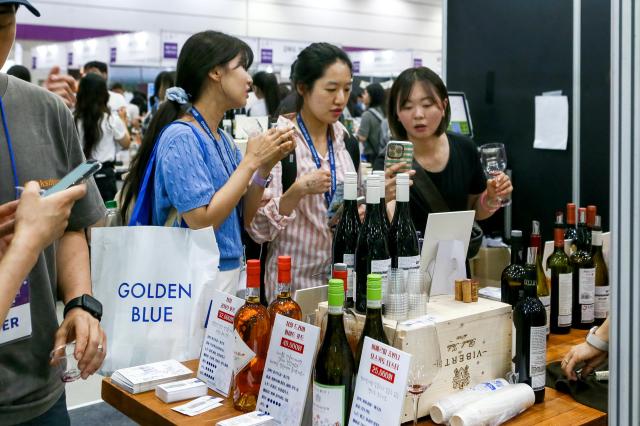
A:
x: 14, y: 169
x: 227, y: 145
x: 328, y: 196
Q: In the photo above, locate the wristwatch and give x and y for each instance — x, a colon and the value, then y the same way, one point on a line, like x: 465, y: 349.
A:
x: 260, y: 181
x: 86, y: 302
x: 597, y: 342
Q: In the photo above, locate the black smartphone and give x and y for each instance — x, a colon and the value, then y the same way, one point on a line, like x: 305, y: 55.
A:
x: 75, y: 176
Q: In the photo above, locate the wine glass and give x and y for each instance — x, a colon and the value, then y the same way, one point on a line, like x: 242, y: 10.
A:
x: 493, y: 157
x: 425, y: 363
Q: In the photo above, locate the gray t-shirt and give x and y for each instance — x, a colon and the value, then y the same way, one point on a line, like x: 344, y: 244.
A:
x: 370, y: 129
x: 46, y: 147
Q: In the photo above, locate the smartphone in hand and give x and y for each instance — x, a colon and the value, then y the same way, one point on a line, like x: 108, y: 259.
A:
x: 399, y: 152
x: 75, y: 176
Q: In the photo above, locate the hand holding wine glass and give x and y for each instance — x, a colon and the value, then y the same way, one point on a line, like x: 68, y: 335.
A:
x: 493, y: 157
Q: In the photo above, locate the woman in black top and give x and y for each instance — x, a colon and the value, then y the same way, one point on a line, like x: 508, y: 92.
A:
x: 419, y: 111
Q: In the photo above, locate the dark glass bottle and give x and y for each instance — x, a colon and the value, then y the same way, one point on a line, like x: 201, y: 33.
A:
x: 602, y: 274
x: 535, y: 240
x: 334, y: 372
x: 561, y: 282
x: 346, y: 236
x: 386, y: 223
x: 403, y: 239
x: 583, y: 277
x: 530, y: 319
x: 571, y: 232
x: 373, y: 327
x: 512, y: 277
x: 372, y: 251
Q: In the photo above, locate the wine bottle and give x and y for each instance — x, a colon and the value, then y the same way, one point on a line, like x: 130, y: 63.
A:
x: 253, y: 331
x: 383, y: 201
x: 602, y: 274
x: 530, y: 319
x: 283, y: 304
x: 350, y: 321
x: 403, y: 239
x: 512, y: 277
x: 334, y: 372
x: 346, y: 236
x: 372, y: 251
x: 571, y: 233
x: 561, y: 282
x: 373, y: 327
x: 592, y: 211
x: 535, y: 240
x: 583, y: 277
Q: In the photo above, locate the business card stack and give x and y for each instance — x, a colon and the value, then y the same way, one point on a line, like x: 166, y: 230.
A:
x: 183, y: 389
x: 146, y: 377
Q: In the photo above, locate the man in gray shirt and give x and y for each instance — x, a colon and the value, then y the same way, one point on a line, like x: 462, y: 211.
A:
x: 38, y: 142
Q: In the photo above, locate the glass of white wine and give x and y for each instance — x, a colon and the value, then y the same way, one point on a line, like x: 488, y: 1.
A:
x: 493, y: 157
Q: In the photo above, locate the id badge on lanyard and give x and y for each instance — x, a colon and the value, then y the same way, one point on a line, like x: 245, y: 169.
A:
x: 17, y: 324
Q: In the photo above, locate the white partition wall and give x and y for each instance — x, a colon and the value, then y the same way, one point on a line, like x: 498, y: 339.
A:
x: 624, y: 352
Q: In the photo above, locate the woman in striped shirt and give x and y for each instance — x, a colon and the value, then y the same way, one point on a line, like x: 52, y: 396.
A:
x: 295, y: 222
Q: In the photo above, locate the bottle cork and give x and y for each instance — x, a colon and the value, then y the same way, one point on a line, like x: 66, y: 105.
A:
x: 475, y: 285
x: 466, y: 291
x: 459, y: 290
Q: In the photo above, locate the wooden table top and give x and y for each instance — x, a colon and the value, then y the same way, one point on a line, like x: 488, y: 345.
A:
x: 557, y: 408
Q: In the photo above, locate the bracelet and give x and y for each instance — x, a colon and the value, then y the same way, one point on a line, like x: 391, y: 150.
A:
x: 485, y: 205
x: 597, y: 342
x: 260, y: 181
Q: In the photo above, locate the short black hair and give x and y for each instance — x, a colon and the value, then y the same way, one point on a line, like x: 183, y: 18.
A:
x: 311, y: 64
x: 401, y: 90
x: 100, y: 66
x: 20, y: 72
x: 376, y: 95
x: 117, y: 86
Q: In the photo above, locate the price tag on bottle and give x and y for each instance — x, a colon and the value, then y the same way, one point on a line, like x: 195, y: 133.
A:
x: 287, y: 371
x: 217, y: 357
x: 380, y: 386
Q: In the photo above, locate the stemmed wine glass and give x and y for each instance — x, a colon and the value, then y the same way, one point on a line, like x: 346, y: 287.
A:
x: 425, y: 364
x: 493, y: 157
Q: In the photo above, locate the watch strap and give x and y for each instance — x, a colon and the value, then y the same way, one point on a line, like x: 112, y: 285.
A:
x: 597, y: 342
x: 79, y: 302
x: 260, y: 181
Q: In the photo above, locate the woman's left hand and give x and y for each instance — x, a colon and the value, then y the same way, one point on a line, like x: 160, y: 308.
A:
x: 268, y: 148
x: 499, y: 187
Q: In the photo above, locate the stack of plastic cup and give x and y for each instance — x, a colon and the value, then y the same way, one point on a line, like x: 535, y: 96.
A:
x: 397, y: 302
x: 418, y: 291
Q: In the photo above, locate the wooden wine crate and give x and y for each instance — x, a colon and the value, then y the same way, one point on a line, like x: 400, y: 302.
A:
x: 475, y: 344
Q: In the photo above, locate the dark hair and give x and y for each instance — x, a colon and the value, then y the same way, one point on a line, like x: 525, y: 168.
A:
x: 91, y: 106
x: 100, y: 66
x: 401, y: 90
x: 164, y: 79
x: 20, y: 72
x: 311, y: 64
x: 352, y: 103
x: 117, y: 86
x: 140, y: 100
x: 268, y: 85
x: 376, y: 95
x: 201, y: 53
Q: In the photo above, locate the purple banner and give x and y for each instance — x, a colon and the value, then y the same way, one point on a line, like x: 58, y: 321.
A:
x: 266, y: 56
x: 113, y: 55
x: 356, y: 67
x: 34, y: 62
x: 69, y: 59
x: 170, y: 50
x: 417, y: 62
x: 23, y: 295
x: 53, y: 33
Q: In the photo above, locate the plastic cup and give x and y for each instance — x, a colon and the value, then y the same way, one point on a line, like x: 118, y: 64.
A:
x: 418, y: 288
x: 396, y: 303
x: 63, y: 357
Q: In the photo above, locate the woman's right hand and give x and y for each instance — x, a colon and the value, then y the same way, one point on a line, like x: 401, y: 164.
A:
x: 40, y: 221
x: 316, y: 182
x: 390, y: 180
x: 267, y: 149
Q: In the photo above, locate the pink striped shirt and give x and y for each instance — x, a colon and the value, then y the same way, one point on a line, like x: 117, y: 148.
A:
x: 304, y: 234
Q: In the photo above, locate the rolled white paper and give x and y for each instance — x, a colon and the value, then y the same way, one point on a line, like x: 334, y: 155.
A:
x: 443, y: 409
x: 495, y: 408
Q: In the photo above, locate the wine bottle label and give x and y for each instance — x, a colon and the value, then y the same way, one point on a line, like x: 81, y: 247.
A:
x: 602, y: 302
x: 242, y: 353
x: 350, y: 261
x: 587, y: 313
x: 596, y: 238
x: 382, y: 267
x: 408, y: 262
x: 329, y: 405
x: 587, y: 285
x: 546, y: 302
x: 565, y: 299
x: 537, y: 357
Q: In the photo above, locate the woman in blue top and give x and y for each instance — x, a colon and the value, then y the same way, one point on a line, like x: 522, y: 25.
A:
x: 199, y: 173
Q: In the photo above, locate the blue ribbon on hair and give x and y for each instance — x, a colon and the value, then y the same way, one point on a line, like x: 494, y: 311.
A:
x: 177, y: 94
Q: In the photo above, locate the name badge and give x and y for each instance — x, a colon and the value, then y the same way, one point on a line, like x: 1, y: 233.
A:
x: 17, y: 324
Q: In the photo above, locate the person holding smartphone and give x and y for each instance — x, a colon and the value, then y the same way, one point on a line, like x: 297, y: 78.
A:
x: 39, y: 143
x: 419, y: 112
x: 294, y: 221
x: 200, y: 179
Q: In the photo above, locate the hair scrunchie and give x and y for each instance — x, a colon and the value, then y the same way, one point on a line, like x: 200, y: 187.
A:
x: 177, y: 94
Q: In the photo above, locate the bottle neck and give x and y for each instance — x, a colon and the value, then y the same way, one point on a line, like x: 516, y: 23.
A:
x: 403, y: 210
x: 252, y: 295
x: 558, y: 238
x: 516, y: 255
x: 350, y: 192
x: 284, y: 290
x: 531, y: 285
x: 596, y: 240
